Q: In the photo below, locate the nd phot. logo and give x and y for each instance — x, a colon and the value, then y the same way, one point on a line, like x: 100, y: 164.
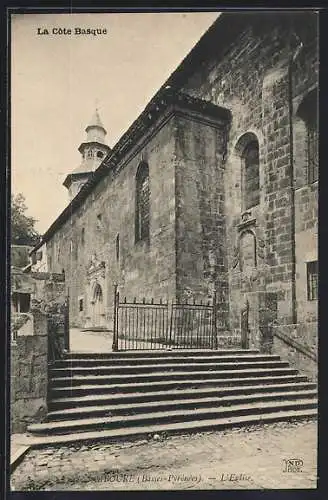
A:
x: 293, y: 465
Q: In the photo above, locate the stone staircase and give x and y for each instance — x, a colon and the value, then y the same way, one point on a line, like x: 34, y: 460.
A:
x: 131, y: 394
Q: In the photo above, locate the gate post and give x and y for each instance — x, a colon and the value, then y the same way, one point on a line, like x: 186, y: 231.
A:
x: 215, y: 326
x: 66, y: 324
x: 170, y: 326
x: 268, y: 307
x: 244, y: 326
x: 115, y: 320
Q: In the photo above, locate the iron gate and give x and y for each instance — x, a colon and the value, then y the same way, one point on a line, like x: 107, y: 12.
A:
x: 160, y: 325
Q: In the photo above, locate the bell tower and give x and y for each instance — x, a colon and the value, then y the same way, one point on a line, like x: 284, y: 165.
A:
x: 93, y: 151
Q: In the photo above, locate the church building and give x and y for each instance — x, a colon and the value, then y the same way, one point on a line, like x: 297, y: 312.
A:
x: 212, y: 189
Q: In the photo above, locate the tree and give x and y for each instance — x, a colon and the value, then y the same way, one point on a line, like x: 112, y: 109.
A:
x: 23, y: 231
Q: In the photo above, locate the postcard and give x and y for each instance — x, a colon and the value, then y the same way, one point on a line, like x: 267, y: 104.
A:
x: 164, y: 250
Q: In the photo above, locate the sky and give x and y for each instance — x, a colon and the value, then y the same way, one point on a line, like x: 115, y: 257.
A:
x: 58, y: 80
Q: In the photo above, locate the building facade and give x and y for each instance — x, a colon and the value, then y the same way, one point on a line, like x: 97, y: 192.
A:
x: 213, y: 187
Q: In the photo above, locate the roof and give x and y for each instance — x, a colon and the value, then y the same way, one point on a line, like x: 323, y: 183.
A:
x: 168, y: 99
x: 95, y: 121
x: 19, y: 255
x: 78, y: 173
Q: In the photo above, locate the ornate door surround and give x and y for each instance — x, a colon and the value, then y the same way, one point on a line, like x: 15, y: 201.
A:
x: 96, y: 293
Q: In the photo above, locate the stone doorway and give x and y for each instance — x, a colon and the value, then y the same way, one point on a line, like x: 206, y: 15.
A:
x: 98, y: 310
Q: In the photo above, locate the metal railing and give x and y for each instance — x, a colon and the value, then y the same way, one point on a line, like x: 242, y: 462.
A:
x: 192, y: 325
x: 158, y: 325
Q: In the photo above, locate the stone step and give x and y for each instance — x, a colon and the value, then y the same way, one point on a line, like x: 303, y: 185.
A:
x: 172, y: 404
x: 90, y: 361
x: 168, y: 376
x: 179, y: 394
x: 128, y: 387
x: 173, y: 416
x: 180, y: 352
x: 132, y: 433
x: 169, y: 367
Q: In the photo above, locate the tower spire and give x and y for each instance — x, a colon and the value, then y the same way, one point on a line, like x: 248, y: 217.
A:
x: 95, y: 129
x: 93, y: 151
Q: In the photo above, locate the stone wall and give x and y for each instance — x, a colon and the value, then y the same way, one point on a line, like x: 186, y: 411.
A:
x: 201, y: 264
x: 303, y: 358
x: 142, y: 269
x: 29, y: 376
x: 21, y: 324
x: 260, y: 75
x: 306, y: 200
x: 37, y: 338
x: 48, y: 288
x: 255, y: 79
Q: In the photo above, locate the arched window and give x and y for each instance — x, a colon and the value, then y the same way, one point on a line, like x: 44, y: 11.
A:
x: 308, y: 113
x: 90, y: 153
x: 97, y: 293
x: 142, y: 202
x: 251, y: 174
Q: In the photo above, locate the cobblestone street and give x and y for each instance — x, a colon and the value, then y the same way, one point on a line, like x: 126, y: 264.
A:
x: 251, y: 458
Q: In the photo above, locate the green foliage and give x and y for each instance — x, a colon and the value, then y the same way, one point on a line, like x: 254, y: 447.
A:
x: 23, y: 231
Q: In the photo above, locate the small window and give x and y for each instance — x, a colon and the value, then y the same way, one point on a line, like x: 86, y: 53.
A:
x: 312, y: 280
x: 24, y: 301
x: 82, y: 236
x: 99, y: 221
x: 100, y: 154
x: 117, y: 247
x: 80, y: 305
x: 90, y: 154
